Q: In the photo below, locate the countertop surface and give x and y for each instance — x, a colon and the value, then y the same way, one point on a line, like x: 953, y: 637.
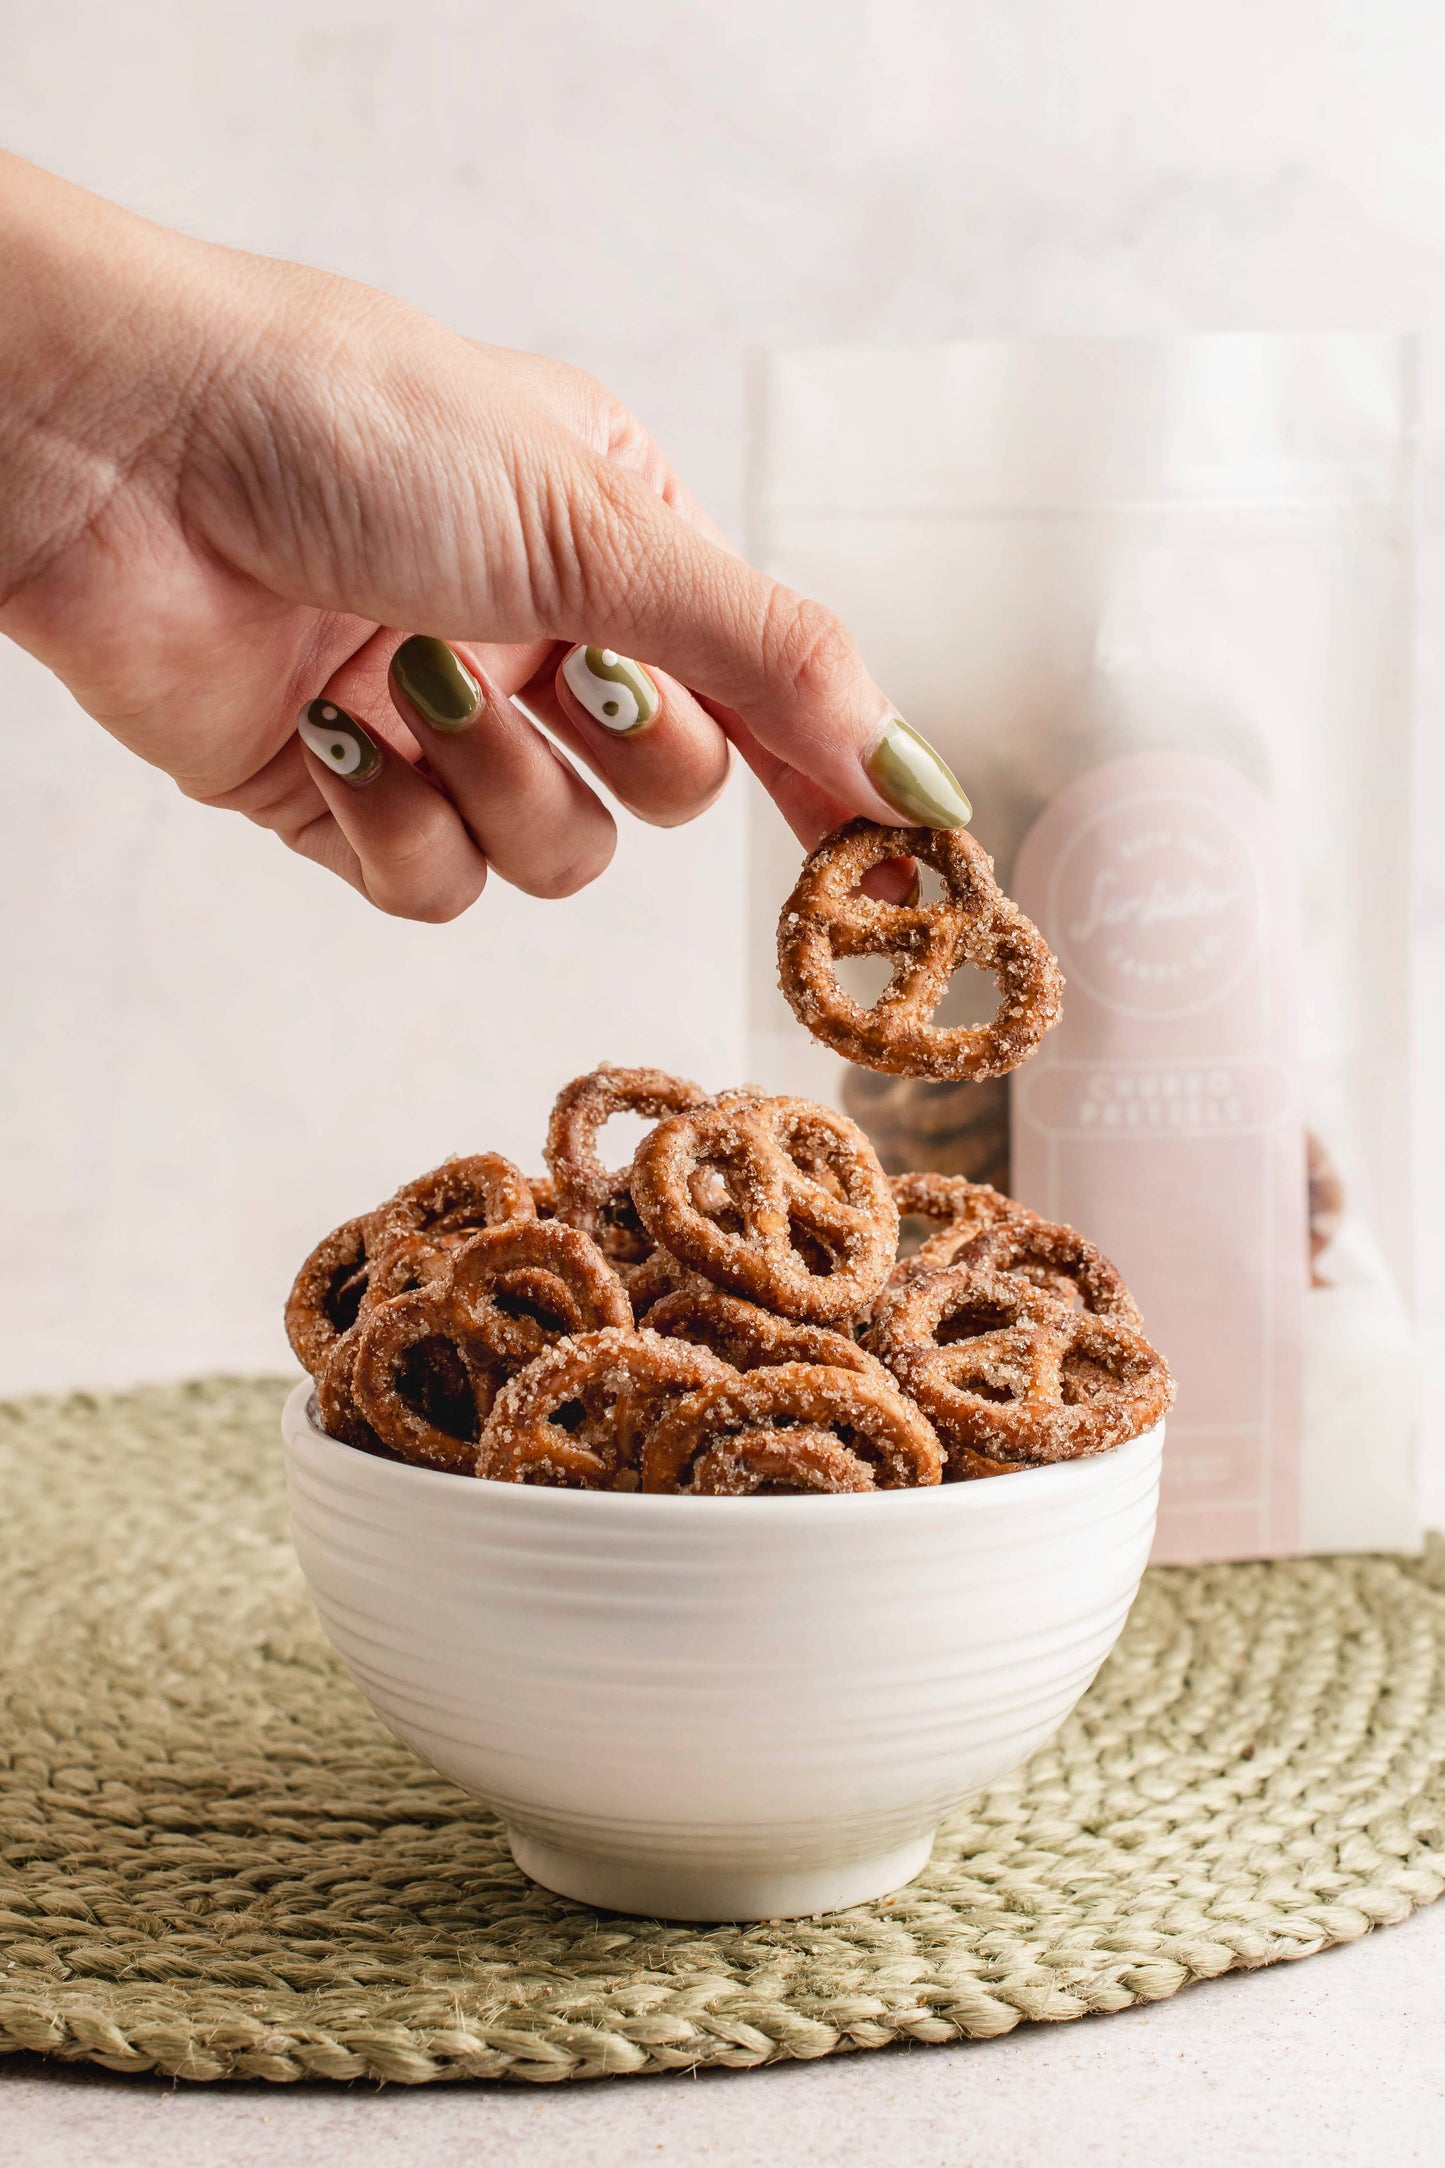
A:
x: 1339, y: 2058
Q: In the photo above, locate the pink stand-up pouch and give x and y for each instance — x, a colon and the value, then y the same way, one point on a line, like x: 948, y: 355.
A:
x: 1163, y: 1114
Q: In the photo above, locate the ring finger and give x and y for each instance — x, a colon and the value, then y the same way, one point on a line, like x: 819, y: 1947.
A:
x: 642, y: 732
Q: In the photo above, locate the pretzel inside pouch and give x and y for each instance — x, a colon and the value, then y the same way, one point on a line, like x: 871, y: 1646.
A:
x: 827, y: 918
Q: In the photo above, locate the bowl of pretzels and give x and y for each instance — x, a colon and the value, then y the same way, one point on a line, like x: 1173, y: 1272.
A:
x: 716, y: 1530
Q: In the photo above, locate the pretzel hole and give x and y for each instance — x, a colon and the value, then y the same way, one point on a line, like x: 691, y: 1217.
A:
x: 570, y: 1416
x: 1054, y: 1281
x: 857, y: 1443
x: 913, y: 1231
x: 1082, y: 1379
x: 623, y: 1131
x: 985, y: 1388
x: 431, y: 1379
x: 889, y: 881
x: 814, y: 1161
x: 867, y: 978
x: 970, y: 1322
x: 712, y: 1195
x: 970, y: 998
x: 452, y: 1229
x: 344, y: 1290
x: 553, y: 1313
x: 816, y: 1257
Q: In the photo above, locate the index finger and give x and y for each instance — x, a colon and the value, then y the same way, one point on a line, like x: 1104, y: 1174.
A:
x: 640, y: 581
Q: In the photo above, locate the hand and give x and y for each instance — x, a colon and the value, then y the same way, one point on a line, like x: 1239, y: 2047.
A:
x: 297, y: 545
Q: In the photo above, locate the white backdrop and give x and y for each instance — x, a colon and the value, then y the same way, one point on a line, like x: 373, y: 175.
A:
x: 211, y: 1051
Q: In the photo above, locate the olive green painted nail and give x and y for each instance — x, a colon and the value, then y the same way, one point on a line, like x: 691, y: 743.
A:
x: 436, y: 682
x: 338, y: 740
x: 915, y: 781
x: 615, y: 691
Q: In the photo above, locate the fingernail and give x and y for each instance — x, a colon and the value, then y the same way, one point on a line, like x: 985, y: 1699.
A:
x: 915, y: 890
x: 616, y: 692
x: 438, y: 684
x: 915, y: 781
x: 339, y: 740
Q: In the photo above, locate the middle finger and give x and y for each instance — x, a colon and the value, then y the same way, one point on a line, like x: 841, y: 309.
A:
x: 532, y: 815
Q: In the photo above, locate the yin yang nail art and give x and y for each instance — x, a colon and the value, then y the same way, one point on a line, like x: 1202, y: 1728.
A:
x: 615, y: 691
x: 339, y: 740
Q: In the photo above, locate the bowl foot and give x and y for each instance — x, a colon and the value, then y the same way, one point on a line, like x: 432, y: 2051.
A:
x: 657, y: 1890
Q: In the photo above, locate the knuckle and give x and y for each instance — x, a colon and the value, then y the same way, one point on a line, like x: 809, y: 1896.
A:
x: 552, y: 883
x: 436, y: 906
x: 587, y: 540
x: 809, y: 648
x: 427, y: 875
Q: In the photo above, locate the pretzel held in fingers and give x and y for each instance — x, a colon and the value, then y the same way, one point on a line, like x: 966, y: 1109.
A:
x: 810, y: 1228
x: 827, y: 917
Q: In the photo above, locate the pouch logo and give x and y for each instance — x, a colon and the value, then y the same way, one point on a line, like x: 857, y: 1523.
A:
x: 1155, y: 906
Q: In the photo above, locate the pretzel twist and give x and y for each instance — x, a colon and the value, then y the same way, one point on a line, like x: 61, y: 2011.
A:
x: 774, y: 1462
x: 577, y: 1418
x: 871, y: 1420
x: 592, y: 1197
x: 959, y: 1208
x: 421, y: 1383
x: 328, y: 1292
x: 750, y: 1338
x: 458, y: 1199
x: 810, y: 1227
x: 1059, y: 1260
x: 516, y: 1290
x: 1005, y: 1372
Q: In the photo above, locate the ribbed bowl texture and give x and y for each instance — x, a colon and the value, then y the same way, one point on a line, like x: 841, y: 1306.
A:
x: 720, y: 1708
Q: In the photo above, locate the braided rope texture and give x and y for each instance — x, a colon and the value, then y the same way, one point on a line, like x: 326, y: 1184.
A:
x: 214, y: 1863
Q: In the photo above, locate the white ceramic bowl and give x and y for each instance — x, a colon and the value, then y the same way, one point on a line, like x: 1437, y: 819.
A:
x: 720, y: 1708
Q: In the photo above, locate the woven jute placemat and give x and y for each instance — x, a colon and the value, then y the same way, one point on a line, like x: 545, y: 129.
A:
x: 214, y: 1863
